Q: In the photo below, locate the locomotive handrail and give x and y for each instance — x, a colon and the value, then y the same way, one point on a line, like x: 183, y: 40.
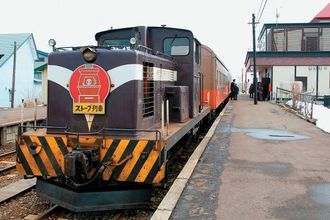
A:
x: 122, y: 47
x: 113, y: 47
x: 42, y: 126
x: 66, y: 131
x: 102, y: 131
x: 157, y: 132
x: 144, y: 47
x: 165, y: 55
x: 34, y: 127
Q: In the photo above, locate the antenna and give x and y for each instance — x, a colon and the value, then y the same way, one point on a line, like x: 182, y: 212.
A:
x: 277, y: 15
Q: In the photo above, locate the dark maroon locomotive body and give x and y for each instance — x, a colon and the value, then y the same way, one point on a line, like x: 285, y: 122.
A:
x: 127, y: 105
x: 105, y: 144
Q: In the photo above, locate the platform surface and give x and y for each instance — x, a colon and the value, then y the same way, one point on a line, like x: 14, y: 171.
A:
x: 13, y: 116
x: 261, y: 163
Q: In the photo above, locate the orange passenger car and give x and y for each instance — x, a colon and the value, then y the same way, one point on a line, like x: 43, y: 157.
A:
x: 216, y: 79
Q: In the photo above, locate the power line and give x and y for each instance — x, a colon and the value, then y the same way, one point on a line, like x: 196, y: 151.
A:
x: 260, y: 8
x: 262, y: 11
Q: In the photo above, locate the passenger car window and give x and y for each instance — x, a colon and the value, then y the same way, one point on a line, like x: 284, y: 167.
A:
x: 176, y: 46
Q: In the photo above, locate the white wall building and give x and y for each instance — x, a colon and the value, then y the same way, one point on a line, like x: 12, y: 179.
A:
x: 297, y: 52
x: 26, y: 87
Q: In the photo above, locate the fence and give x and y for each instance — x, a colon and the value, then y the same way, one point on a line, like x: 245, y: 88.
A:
x: 301, y: 102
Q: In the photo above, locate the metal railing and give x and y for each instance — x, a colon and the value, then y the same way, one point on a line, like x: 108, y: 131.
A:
x: 301, y: 102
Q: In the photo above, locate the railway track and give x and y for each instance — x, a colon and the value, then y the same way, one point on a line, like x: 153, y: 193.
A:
x: 45, y: 214
x: 7, y: 161
x: 4, y: 167
x: 12, y: 184
x: 9, y: 153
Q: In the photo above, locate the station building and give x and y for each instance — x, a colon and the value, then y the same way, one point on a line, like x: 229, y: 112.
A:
x: 290, y: 52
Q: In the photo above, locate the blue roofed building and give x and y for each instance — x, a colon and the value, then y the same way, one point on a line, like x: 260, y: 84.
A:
x: 28, y: 84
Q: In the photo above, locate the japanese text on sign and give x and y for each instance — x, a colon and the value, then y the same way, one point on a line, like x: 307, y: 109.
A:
x: 88, y: 108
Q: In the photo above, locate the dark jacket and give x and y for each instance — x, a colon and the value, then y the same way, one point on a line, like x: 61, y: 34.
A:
x: 234, y: 88
x: 251, y: 89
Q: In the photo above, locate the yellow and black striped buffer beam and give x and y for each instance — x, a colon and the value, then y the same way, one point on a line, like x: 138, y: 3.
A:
x: 45, y: 158
x: 146, y: 163
x: 126, y: 160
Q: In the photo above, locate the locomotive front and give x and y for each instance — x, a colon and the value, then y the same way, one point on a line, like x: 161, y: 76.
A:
x: 104, y: 145
x: 103, y: 107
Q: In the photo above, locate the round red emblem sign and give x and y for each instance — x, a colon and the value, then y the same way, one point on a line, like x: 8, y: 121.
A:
x: 89, y: 87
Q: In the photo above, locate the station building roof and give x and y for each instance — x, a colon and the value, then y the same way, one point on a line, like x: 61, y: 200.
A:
x: 323, y: 15
x: 7, y: 44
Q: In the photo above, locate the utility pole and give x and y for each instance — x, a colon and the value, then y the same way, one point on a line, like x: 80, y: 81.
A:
x: 254, y: 60
x: 13, y: 79
x: 242, y: 81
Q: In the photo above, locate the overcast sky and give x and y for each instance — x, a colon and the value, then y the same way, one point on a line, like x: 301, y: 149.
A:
x: 222, y: 25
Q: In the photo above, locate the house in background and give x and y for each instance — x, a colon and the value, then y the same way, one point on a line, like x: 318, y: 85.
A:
x: 28, y: 85
x: 40, y: 74
x: 290, y: 52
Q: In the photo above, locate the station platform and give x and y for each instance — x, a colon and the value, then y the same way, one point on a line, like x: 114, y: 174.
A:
x: 13, y: 116
x: 261, y: 162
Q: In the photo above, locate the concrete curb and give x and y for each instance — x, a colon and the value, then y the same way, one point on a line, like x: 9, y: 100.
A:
x: 166, y: 207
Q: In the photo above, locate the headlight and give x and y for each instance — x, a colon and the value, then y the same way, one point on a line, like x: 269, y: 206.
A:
x: 89, y: 54
x: 52, y: 42
x: 132, y: 41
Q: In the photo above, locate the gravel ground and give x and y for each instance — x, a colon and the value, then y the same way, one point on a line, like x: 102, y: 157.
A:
x: 29, y: 202
x: 7, y: 148
x: 18, y: 208
x: 13, y: 176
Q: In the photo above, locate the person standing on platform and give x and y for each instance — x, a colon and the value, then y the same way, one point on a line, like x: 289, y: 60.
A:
x: 234, y: 90
x: 251, y: 90
x: 260, y: 92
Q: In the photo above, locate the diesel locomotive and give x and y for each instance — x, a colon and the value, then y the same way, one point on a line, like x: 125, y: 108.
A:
x: 114, y: 113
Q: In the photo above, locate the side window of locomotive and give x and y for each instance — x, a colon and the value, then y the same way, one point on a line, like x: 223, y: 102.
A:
x: 117, y: 43
x: 176, y: 46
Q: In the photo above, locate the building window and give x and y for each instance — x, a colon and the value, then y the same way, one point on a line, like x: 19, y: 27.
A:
x: 324, y: 39
x: 37, y: 76
x: 294, y: 36
x: 279, y: 39
x: 311, y: 36
x: 148, y: 90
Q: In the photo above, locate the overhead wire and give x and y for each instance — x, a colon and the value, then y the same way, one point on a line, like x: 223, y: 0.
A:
x: 260, y: 8
x: 262, y: 11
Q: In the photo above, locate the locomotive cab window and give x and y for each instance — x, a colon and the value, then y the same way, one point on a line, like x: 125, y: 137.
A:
x: 176, y: 46
x: 117, y: 43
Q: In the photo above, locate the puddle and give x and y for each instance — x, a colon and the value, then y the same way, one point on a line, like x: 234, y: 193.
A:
x: 280, y: 166
x: 270, y: 134
x: 320, y: 193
